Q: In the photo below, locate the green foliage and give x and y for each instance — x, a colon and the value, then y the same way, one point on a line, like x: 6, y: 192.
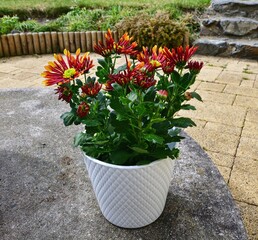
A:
x: 132, y: 119
x: 7, y: 24
x: 159, y: 30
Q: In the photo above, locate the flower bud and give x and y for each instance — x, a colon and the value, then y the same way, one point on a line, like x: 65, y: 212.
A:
x: 188, y: 95
x: 162, y: 94
x: 83, y: 110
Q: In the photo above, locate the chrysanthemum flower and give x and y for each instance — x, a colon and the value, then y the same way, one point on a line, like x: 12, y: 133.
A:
x: 125, y: 46
x: 109, y: 48
x: 179, y: 56
x: 195, y: 66
x: 143, y: 80
x: 83, y: 110
x: 64, y: 94
x: 60, y: 72
x: 91, y: 89
x: 151, y: 60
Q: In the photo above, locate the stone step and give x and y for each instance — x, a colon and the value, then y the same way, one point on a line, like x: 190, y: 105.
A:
x: 227, y: 47
x: 230, y: 26
x: 243, y: 8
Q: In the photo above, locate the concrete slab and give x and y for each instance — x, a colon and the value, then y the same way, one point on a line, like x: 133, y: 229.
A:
x: 46, y: 193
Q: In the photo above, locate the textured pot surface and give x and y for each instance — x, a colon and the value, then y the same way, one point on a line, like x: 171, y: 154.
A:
x: 130, y: 196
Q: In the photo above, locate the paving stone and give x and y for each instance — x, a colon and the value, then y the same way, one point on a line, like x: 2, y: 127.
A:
x: 210, y: 86
x: 222, y: 128
x: 22, y: 75
x: 247, y: 83
x: 212, y: 141
x: 248, y: 147
x: 256, y: 82
x: 250, y: 130
x: 195, y: 85
x: 220, y: 113
x: 235, y: 66
x: 209, y: 75
x: 13, y: 83
x: 7, y: 68
x: 243, y: 181
x: 243, y: 91
x: 214, y: 97
x: 252, y: 115
x: 250, y: 217
x: 229, y: 77
x: 221, y: 159
x: 245, y: 101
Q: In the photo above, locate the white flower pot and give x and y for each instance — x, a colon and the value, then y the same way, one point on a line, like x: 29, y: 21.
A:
x: 130, y: 196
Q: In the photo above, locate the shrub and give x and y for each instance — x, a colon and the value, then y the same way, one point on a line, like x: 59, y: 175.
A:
x: 7, y: 24
x: 160, y: 30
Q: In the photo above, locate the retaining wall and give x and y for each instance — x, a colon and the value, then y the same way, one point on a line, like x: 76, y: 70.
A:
x: 18, y: 44
x: 49, y: 42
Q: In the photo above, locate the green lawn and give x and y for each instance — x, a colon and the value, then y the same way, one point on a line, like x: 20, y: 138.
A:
x: 84, y: 15
x: 50, y: 4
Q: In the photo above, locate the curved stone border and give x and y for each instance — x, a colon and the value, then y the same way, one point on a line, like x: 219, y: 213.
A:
x: 18, y: 44
x: 49, y: 42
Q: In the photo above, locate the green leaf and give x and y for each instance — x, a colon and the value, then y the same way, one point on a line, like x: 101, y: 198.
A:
x: 196, y: 96
x: 154, y: 138
x: 68, y: 118
x: 79, y: 139
x: 79, y: 82
x: 183, y: 122
x: 132, y: 96
x: 175, y: 77
x: 119, y: 157
x: 139, y: 150
x: 120, y: 69
x: 91, y: 122
x: 188, y: 107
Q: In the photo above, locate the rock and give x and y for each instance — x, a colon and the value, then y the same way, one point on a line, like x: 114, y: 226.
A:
x: 227, y: 47
x: 46, y: 192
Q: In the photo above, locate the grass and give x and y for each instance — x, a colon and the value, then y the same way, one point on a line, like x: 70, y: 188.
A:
x: 53, y: 8
x: 81, y: 15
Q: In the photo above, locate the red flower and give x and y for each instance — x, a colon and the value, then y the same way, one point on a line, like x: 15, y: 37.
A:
x: 83, y: 110
x: 179, y: 56
x: 195, y: 67
x: 151, y: 60
x: 125, y: 46
x: 108, y: 49
x: 64, y: 94
x: 108, y: 85
x: 142, y: 79
x: 60, y: 72
x: 91, y: 89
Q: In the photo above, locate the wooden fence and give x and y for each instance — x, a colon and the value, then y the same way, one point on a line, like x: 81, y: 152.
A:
x: 18, y: 44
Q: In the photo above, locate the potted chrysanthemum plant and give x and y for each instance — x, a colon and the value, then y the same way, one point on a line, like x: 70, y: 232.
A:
x: 130, y: 127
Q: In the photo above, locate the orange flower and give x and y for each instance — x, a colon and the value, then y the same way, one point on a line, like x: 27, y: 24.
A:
x: 60, y: 72
x: 108, y: 49
x: 179, y: 56
x: 151, y: 60
x: 125, y: 46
